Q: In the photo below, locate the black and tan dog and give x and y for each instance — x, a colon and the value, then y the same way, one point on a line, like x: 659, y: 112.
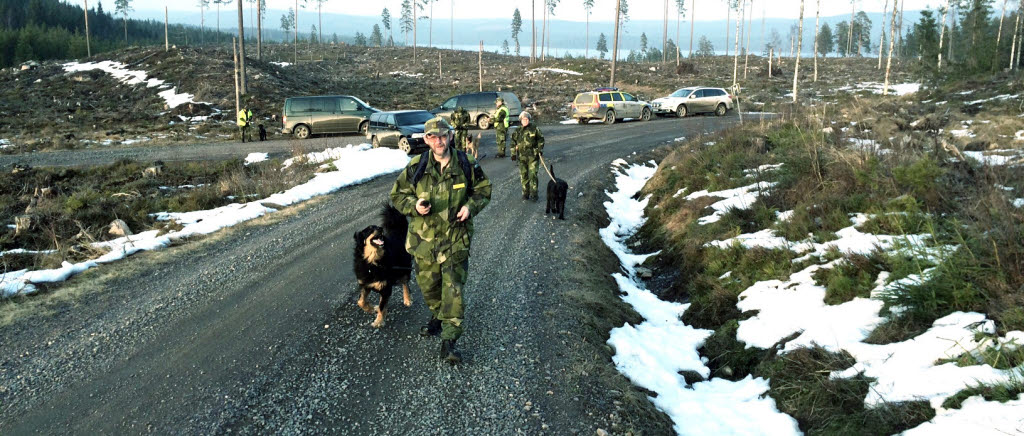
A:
x: 557, y: 190
x: 381, y: 262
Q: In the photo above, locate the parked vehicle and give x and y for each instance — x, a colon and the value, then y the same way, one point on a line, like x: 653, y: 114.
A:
x: 609, y: 105
x: 398, y: 129
x: 694, y: 100
x: 480, y: 106
x: 315, y: 115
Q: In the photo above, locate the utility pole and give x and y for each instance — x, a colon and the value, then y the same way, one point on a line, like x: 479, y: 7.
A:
x: 615, y: 41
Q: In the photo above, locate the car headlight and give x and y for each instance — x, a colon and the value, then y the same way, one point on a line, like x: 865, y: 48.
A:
x: 417, y: 136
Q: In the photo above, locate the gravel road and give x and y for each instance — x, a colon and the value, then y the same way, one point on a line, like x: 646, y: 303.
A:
x: 256, y: 330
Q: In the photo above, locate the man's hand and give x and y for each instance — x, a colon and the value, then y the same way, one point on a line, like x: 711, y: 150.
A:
x: 422, y: 207
x: 463, y: 214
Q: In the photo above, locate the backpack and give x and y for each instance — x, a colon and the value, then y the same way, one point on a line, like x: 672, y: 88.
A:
x: 421, y: 168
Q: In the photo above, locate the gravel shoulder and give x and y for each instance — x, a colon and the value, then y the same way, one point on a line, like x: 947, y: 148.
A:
x: 256, y: 330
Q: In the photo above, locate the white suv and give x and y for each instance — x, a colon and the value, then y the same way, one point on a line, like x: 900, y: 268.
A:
x: 694, y: 100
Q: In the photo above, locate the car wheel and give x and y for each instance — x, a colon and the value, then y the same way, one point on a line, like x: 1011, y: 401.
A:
x: 403, y: 144
x: 301, y: 131
x: 720, y: 110
x: 645, y: 115
x: 375, y: 142
x: 581, y: 120
x: 363, y: 126
x: 484, y: 122
x: 609, y: 117
x: 681, y: 111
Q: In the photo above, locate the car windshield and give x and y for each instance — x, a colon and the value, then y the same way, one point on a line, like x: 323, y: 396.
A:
x: 682, y: 92
x: 413, y: 118
x: 362, y: 103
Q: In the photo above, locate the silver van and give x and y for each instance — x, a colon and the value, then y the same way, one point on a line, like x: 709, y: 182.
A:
x: 480, y: 106
x: 314, y: 115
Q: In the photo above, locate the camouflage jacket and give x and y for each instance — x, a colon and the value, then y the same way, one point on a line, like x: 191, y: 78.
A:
x: 460, y: 119
x: 438, y: 236
x: 528, y: 141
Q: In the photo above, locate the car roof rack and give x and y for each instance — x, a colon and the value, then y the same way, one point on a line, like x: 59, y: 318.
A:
x: 606, y: 89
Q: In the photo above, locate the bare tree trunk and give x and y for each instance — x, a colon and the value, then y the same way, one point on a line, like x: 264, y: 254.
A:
x: 430, y: 28
x: 817, y: 16
x: 736, y: 51
x: 259, y: 30
x: 167, y: 39
x: 451, y: 28
x: 881, y: 35
x: 533, y: 25
x: 241, y: 50
x: 586, y: 46
x: 728, y: 11
x: 544, y: 32
x: 320, y: 19
x: 952, y: 32
x: 750, y: 21
x: 202, y: 26
x: 892, y: 44
x: 414, y: 30
x: 124, y: 19
x: 480, y: 65
x: 295, y: 32
x: 771, y: 54
x: 1013, y: 47
x: 664, y: 36
x: 799, y: 45
x: 942, y: 33
x: 849, y: 38
x: 234, y: 52
x: 693, y: 5
x: 615, y: 41
x: 999, y: 37
x: 678, y: 17
x: 900, y: 45
x: 88, y: 49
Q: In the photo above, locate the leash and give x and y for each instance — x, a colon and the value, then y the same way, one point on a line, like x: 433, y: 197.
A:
x: 545, y: 165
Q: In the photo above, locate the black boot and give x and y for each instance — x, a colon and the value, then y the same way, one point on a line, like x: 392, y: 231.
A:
x: 449, y: 353
x: 526, y: 197
x: 433, y: 328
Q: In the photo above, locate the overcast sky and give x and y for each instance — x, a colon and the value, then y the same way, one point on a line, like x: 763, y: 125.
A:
x: 604, y: 10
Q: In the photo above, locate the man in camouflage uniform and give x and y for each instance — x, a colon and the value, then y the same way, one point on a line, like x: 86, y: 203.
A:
x: 441, y: 198
x: 501, y: 125
x: 460, y: 121
x: 528, y: 143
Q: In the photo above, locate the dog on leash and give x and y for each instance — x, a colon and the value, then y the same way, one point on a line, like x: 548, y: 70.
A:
x: 381, y: 262
x: 472, y: 145
x: 263, y: 133
x: 557, y: 190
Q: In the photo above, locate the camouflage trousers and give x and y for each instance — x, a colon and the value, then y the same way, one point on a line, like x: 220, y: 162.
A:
x: 528, y: 166
x: 442, y: 284
x: 245, y: 132
x: 460, y: 139
x: 500, y: 136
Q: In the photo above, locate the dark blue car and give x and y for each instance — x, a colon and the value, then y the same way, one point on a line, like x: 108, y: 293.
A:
x: 398, y: 129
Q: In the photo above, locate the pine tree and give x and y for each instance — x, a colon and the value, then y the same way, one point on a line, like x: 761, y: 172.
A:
x: 517, y: 28
x: 588, y: 5
x: 825, y: 42
x: 704, y: 47
x: 123, y: 7
x: 406, y: 19
x: 376, y: 38
x: 602, y: 45
x: 504, y: 47
x: 385, y: 18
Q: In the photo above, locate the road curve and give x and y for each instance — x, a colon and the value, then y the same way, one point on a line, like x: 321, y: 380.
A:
x: 256, y: 330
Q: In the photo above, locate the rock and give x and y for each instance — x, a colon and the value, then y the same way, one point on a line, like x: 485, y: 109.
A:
x: 22, y: 224
x: 601, y: 432
x: 644, y: 273
x: 827, y: 130
x: 691, y: 377
x: 119, y: 228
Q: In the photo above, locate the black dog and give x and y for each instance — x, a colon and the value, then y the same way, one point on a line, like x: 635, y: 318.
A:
x: 263, y: 133
x: 380, y: 261
x: 557, y: 189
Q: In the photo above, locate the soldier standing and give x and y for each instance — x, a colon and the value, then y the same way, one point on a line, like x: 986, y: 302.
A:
x: 442, y: 190
x: 528, y: 143
x: 244, y: 120
x: 501, y: 125
x: 460, y: 121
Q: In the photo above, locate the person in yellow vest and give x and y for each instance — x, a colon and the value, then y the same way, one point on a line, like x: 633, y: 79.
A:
x: 244, y: 122
x: 501, y: 125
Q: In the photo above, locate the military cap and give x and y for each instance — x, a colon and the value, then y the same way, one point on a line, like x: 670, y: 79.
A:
x: 525, y: 114
x: 499, y: 100
x: 436, y: 126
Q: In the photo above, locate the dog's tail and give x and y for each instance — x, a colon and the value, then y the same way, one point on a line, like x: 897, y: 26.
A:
x: 395, y: 224
x: 552, y: 170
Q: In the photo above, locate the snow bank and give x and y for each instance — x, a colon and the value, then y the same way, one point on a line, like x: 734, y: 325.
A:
x: 134, y: 77
x: 553, y: 70
x: 737, y: 198
x: 355, y: 164
x: 653, y: 353
x: 876, y: 87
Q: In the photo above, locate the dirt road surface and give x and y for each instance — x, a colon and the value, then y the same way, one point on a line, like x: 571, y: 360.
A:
x: 256, y: 330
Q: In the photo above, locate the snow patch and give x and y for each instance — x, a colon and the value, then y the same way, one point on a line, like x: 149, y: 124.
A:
x: 255, y: 157
x: 553, y: 70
